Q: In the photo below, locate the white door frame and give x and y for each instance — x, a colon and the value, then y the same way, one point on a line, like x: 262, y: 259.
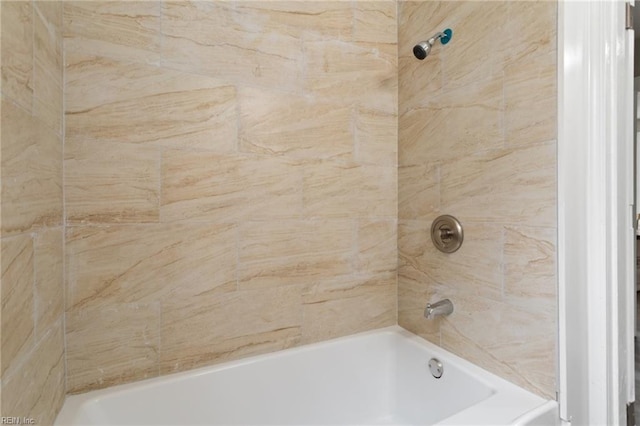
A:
x: 595, y: 216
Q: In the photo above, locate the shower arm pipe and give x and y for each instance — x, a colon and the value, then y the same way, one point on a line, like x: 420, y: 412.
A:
x: 436, y: 37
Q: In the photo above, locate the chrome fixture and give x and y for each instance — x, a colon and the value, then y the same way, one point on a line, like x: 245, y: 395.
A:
x: 436, y: 368
x: 446, y: 233
x: 422, y: 49
x: 438, y: 309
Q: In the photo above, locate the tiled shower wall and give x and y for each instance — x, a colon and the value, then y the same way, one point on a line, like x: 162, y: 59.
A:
x: 230, y: 180
x: 32, y: 342
x: 230, y: 184
x: 477, y: 140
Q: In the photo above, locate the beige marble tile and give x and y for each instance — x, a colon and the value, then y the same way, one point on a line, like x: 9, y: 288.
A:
x: 18, y: 327
x: 198, y: 331
x: 36, y: 389
x: 530, y: 100
x: 418, y: 192
x: 112, y: 345
x: 503, y: 186
x: 49, y: 279
x: 376, y: 138
x: 144, y: 263
x: 282, y: 124
x: 532, y: 30
x: 416, y: 286
x: 339, y: 307
x: 475, y: 269
x: 375, y: 21
x: 422, y: 136
x: 319, y: 20
x: 467, y: 58
x: 333, y: 189
x: 111, y: 183
x: 199, y: 186
x: 418, y: 81
x: 453, y: 124
x: 47, y: 84
x: 31, y: 176
x: 530, y: 277
x: 364, y: 73
x: 514, y: 343
x: 48, y: 21
x: 413, y: 296
x: 138, y: 103
x: 475, y: 119
x: 377, y: 247
x: 230, y: 41
x: 47, y: 101
x: 278, y: 253
x: 17, y: 52
x: 414, y: 252
x: 116, y: 29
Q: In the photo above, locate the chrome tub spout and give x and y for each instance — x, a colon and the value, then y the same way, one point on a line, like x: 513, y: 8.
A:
x: 441, y: 308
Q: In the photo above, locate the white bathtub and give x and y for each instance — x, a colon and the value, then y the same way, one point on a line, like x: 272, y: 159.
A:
x: 374, y: 378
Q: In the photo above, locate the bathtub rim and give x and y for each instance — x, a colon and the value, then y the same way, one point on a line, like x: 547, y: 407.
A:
x: 515, y: 400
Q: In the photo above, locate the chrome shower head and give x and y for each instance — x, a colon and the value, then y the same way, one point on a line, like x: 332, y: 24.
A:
x: 422, y: 49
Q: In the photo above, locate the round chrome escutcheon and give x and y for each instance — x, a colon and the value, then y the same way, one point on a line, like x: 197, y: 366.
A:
x: 446, y: 233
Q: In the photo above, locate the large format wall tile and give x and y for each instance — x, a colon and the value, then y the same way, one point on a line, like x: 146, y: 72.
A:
x: 145, y: 104
x: 376, y: 21
x: 18, y: 328
x: 504, y: 186
x: 294, y: 252
x: 31, y: 172
x: 360, y: 303
x: 282, y: 124
x: 374, y: 130
x: 418, y: 191
x: 199, y: 186
x: 36, y: 390
x: 333, y: 189
x: 421, y: 133
x: 246, y: 323
x: 111, y: 183
x: 363, y: 72
x: 17, y: 52
x: 529, y: 268
x: 220, y: 40
x: 112, y: 344
x: 151, y: 263
x: 319, y: 20
x: 49, y: 279
x: 377, y: 246
x: 123, y: 30
x: 530, y: 100
x: 47, y: 78
x: 523, y: 340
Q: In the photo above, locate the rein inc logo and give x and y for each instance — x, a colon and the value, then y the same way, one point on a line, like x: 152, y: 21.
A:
x: 17, y: 421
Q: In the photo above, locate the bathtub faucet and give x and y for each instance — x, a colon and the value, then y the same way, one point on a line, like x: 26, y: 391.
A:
x: 441, y: 308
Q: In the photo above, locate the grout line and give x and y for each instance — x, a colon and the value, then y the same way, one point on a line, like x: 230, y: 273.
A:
x: 64, y: 202
x: 33, y: 237
x: 238, y: 224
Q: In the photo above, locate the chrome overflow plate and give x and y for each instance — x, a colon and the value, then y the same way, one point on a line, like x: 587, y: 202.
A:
x: 436, y: 367
x: 446, y: 233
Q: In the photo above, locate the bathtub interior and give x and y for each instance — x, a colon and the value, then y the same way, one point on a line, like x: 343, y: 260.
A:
x: 373, y: 378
